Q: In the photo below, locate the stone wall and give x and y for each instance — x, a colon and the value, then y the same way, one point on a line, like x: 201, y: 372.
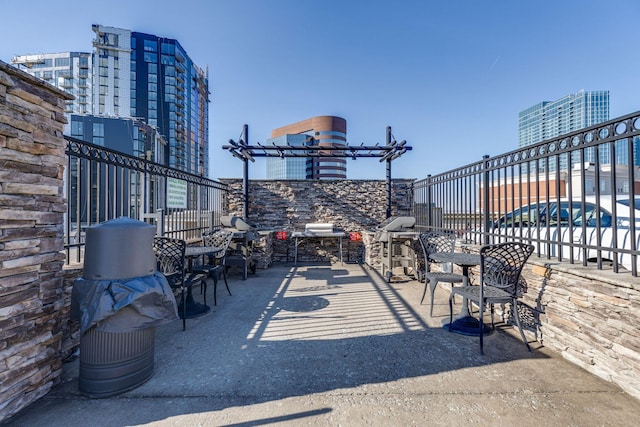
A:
x: 350, y: 205
x: 34, y: 297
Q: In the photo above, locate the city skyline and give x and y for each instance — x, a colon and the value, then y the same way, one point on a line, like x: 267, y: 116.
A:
x: 448, y: 78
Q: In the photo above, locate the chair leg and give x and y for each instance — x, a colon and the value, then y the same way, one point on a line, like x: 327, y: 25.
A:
x: 184, y: 310
x: 424, y: 292
x: 214, y: 275
x: 493, y: 324
x: 224, y: 276
x: 432, y: 287
x: 514, y: 306
x: 451, y: 310
x: 480, y: 322
x: 203, y: 291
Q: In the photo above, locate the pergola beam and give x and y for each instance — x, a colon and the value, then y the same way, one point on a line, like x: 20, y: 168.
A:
x: 245, y: 152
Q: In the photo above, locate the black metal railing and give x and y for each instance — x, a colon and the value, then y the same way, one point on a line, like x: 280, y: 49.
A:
x: 103, y: 184
x: 573, y: 197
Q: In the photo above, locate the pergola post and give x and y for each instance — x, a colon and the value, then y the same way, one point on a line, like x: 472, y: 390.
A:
x: 245, y: 180
x: 388, y: 210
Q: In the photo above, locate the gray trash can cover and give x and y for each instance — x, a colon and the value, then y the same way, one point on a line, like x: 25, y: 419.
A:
x: 120, y: 248
x: 123, y: 305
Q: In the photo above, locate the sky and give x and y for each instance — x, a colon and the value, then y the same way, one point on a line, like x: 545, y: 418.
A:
x: 448, y: 76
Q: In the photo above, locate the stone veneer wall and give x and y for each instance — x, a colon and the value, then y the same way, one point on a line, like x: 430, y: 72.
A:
x: 34, y: 295
x: 350, y: 205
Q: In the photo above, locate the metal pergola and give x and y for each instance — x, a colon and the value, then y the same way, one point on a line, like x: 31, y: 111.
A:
x: 245, y: 152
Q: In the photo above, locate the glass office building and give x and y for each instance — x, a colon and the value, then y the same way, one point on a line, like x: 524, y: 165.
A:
x: 133, y: 75
x: 68, y: 71
x: 549, y: 119
x: 323, y: 131
x: 152, y: 78
x: 288, y: 167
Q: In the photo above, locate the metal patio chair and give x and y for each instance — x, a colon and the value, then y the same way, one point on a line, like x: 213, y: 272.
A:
x: 219, y: 241
x: 432, y: 242
x: 171, y: 262
x: 500, y: 283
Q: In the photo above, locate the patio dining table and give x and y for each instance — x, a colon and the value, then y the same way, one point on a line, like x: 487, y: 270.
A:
x: 194, y: 308
x: 464, y: 323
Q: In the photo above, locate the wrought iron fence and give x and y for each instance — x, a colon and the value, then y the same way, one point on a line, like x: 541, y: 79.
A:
x: 103, y: 184
x: 575, y: 197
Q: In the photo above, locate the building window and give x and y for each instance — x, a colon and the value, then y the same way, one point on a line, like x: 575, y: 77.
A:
x: 98, y: 134
x: 150, y: 46
x: 76, y: 130
x: 150, y: 57
x: 62, y: 62
x: 168, y: 48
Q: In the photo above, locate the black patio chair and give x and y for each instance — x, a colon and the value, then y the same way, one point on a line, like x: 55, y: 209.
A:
x: 431, y: 242
x: 171, y: 262
x: 219, y: 242
x: 500, y: 283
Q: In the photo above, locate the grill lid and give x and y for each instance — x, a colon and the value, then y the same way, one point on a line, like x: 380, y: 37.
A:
x: 318, y: 228
x: 240, y: 224
x: 397, y: 223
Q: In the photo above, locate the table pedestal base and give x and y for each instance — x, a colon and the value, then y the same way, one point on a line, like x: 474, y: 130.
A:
x: 194, y: 309
x: 468, y: 326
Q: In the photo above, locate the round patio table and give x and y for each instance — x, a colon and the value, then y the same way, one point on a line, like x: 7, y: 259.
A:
x: 464, y: 323
x: 193, y: 308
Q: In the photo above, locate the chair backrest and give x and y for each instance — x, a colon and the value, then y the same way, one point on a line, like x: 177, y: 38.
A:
x: 170, y: 259
x: 218, y: 239
x: 436, y: 241
x: 502, y: 265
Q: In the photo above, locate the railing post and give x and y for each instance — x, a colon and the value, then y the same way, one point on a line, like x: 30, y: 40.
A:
x: 158, y: 217
x: 485, y: 201
x: 429, y: 203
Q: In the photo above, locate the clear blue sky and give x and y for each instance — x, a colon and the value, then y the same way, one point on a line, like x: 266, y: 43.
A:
x: 448, y: 76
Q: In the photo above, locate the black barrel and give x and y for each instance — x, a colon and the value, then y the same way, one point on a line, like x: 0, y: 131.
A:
x: 112, y: 363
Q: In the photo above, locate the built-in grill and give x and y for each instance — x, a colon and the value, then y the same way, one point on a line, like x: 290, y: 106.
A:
x: 241, y: 248
x: 396, y: 236
x: 317, y: 230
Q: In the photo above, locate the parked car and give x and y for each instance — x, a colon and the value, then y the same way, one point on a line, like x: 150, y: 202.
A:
x: 568, y: 222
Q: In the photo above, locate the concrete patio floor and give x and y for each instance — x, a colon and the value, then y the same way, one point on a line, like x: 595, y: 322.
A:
x: 336, y: 345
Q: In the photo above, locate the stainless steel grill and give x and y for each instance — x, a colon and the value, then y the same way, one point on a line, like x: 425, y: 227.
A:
x: 241, y: 248
x: 396, y: 236
x: 317, y: 230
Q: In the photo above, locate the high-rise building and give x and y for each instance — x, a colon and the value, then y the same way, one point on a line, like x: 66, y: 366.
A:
x: 127, y: 135
x: 288, y: 167
x: 139, y: 76
x: 324, y: 131
x: 150, y: 77
x: 68, y: 71
x: 549, y: 119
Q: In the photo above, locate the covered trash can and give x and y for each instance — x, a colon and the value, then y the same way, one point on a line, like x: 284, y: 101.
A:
x: 119, y: 300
